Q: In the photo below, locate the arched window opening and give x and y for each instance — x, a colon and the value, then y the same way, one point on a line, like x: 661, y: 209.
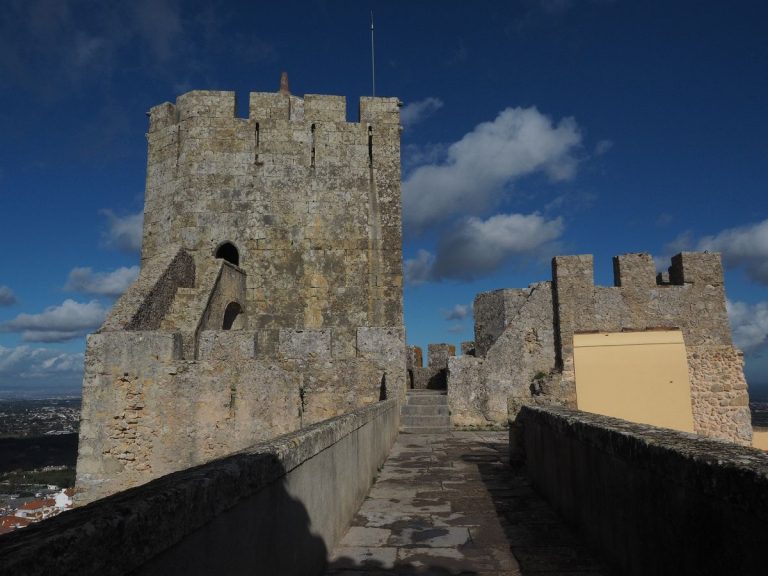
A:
x: 231, y: 314
x: 228, y: 252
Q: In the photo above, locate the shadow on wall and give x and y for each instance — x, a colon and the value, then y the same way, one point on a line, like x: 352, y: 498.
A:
x: 269, y: 532
x: 417, y: 564
x: 177, y: 524
x: 538, y: 537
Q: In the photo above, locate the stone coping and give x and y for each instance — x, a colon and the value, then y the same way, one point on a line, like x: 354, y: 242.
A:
x: 717, y: 468
x: 119, y: 533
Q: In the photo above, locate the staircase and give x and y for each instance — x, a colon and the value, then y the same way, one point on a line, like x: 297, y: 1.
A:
x: 425, y: 412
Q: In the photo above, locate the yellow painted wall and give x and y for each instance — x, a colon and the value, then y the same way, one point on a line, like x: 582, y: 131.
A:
x: 638, y: 376
x: 760, y: 438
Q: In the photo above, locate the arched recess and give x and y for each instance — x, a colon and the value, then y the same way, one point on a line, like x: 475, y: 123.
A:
x: 228, y: 252
x: 231, y: 315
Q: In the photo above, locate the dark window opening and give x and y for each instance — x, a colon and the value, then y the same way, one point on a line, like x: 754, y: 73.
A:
x: 312, y: 156
x: 231, y: 313
x: 228, y: 252
x: 257, y: 137
x: 370, y: 145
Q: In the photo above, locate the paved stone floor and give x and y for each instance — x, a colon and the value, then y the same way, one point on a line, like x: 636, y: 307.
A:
x: 449, y: 504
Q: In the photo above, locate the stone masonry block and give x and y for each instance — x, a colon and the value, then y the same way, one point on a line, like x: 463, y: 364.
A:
x: 634, y: 271
x: 439, y: 354
x: 304, y: 344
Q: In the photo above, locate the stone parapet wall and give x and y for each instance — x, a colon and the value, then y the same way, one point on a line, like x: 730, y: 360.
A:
x: 148, y: 412
x: 652, y: 500
x: 434, y: 375
x: 719, y: 393
x: 236, y: 515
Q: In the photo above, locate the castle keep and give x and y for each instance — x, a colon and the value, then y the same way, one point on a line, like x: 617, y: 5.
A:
x: 270, y: 291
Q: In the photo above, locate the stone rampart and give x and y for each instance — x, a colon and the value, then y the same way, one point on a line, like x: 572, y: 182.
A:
x: 651, y: 500
x: 277, y: 507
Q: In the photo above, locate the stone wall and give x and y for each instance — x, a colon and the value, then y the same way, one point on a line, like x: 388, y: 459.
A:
x: 515, y: 362
x: 260, y: 511
x: 651, y: 500
x: 524, y: 339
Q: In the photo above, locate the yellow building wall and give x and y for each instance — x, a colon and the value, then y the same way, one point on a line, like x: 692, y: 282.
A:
x: 760, y: 438
x: 637, y: 376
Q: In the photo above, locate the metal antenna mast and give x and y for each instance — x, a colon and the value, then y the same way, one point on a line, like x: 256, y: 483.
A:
x: 373, y: 60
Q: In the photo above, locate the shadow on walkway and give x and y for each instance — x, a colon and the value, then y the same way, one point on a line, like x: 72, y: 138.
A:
x: 540, y: 540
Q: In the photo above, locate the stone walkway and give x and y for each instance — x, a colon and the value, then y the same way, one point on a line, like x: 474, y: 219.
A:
x: 449, y: 504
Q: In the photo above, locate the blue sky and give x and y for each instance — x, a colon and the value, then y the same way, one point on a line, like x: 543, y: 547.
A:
x: 532, y: 128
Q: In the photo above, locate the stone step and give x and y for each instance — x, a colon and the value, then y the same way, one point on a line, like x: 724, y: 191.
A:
x: 429, y: 421
x: 424, y: 391
x: 424, y: 399
x: 424, y: 429
x: 424, y: 410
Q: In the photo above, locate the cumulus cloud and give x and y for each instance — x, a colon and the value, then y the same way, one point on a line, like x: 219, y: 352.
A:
x: 58, y: 323
x: 113, y: 283
x: 124, y: 232
x: 478, y: 247
x: 415, y: 112
x: 24, y: 367
x: 744, y: 246
x: 419, y: 270
x: 474, y: 247
x: 458, y: 312
x: 478, y: 169
x: 7, y: 297
x: 602, y: 147
x: 749, y: 325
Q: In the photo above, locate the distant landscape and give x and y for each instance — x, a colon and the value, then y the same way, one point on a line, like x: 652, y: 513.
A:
x: 38, y: 446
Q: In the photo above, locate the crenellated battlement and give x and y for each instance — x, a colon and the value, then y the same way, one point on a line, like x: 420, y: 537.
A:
x: 267, y: 106
x: 527, y: 342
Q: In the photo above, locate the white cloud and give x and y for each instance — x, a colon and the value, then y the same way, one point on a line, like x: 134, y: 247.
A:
x: 23, y: 368
x: 485, y: 162
x: 418, y: 270
x: 415, y: 112
x: 113, y: 283
x: 458, y: 312
x: 749, y: 325
x: 7, y: 297
x: 124, y: 232
x: 744, y: 246
x: 58, y: 323
x: 478, y: 247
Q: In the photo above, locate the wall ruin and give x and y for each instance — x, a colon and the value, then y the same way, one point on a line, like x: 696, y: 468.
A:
x: 524, y: 339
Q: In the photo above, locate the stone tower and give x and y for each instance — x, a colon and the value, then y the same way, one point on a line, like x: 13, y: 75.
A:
x: 270, y: 291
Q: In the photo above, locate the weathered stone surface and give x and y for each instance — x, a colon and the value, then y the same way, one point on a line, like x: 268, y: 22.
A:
x: 450, y: 504
x: 519, y: 362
